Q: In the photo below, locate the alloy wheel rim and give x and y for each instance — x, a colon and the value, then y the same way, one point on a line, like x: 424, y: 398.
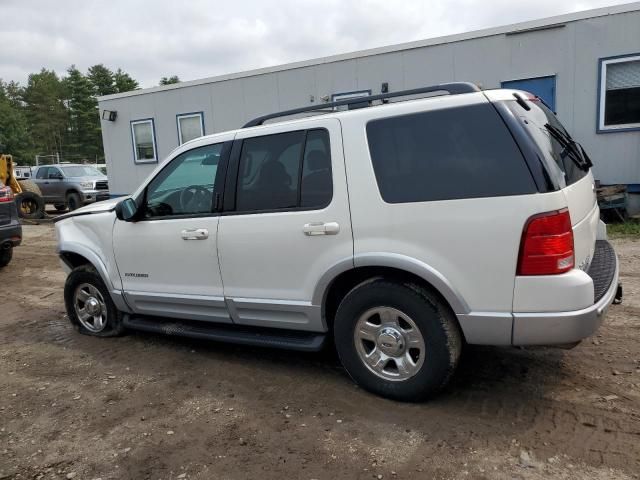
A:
x: 389, y: 343
x: 90, y: 307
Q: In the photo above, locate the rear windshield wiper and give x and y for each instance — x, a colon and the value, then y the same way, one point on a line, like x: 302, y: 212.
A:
x: 571, y: 148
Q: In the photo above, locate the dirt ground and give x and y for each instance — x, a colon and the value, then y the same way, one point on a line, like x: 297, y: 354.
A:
x: 156, y: 407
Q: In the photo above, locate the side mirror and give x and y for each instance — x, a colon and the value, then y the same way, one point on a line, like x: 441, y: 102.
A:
x: 127, y: 210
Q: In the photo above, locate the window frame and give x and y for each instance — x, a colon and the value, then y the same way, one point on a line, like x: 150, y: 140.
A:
x: 180, y: 116
x: 218, y: 186
x: 136, y: 160
x: 603, y: 63
x: 233, y: 174
x: 45, y: 174
x: 53, y: 169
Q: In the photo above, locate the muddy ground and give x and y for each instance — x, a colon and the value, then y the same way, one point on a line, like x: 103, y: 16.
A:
x: 156, y: 407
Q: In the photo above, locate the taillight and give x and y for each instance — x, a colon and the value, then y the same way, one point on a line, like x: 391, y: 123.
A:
x: 6, y: 194
x: 547, y: 244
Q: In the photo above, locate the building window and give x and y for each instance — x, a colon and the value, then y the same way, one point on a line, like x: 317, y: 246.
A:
x: 619, y: 102
x: 190, y: 126
x: 144, y: 141
x: 338, y: 97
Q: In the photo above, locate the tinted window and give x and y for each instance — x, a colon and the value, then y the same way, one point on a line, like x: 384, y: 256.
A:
x: 42, y: 172
x: 54, y: 173
x: 317, y: 186
x: 186, y: 185
x: 270, y: 176
x: 558, y: 162
x: 462, y: 152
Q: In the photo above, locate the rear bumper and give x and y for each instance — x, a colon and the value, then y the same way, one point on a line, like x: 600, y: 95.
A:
x: 10, y: 235
x: 553, y: 328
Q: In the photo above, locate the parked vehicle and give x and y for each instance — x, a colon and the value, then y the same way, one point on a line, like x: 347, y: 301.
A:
x: 400, y: 231
x: 22, y: 172
x: 71, y: 185
x: 10, y: 228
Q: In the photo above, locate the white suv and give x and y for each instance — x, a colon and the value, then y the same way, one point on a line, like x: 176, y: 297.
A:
x: 399, y: 231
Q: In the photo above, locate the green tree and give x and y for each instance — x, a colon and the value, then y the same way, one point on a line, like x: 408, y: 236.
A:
x: 83, y: 135
x: 102, y: 80
x: 14, y: 126
x: 124, y: 82
x: 170, y: 80
x: 45, y: 110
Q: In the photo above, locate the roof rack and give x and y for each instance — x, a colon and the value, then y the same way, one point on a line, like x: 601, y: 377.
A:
x: 453, y: 88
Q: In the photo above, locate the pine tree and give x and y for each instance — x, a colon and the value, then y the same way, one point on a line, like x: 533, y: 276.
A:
x: 84, y: 137
x: 123, y: 82
x: 45, y: 111
x: 170, y: 80
x: 102, y: 80
x: 14, y: 127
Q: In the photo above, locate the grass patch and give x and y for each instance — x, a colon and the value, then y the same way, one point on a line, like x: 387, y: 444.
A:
x: 630, y: 228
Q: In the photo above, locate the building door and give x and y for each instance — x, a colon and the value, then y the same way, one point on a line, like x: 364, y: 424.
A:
x: 543, y: 87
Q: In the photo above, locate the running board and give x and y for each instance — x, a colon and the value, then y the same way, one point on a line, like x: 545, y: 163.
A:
x: 259, y: 337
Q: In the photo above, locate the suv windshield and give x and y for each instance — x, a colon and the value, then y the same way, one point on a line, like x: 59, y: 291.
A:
x: 566, y: 159
x: 81, y: 171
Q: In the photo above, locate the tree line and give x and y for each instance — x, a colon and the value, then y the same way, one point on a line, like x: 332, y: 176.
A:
x: 59, y: 115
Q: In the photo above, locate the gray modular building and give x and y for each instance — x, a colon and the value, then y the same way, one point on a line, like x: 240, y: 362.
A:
x: 585, y: 65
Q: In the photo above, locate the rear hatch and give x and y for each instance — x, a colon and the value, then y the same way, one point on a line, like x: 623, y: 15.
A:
x: 568, y: 168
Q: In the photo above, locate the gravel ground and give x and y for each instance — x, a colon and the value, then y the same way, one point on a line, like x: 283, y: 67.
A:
x: 156, y: 407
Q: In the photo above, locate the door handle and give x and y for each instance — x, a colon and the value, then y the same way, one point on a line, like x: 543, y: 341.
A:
x: 195, y: 234
x: 321, y: 228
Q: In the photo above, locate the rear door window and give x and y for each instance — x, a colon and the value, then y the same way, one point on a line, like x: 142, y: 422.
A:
x: 285, y: 171
x: 454, y: 153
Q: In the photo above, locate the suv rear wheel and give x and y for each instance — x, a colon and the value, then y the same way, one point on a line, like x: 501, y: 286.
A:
x: 397, y: 340
x: 89, y: 305
x: 5, y: 256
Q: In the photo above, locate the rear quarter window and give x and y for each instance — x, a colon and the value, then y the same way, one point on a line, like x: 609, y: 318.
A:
x: 534, y: 120
x: 454, y: 153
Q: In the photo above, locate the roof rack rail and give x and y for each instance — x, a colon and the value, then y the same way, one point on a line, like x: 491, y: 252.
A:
x: 453, y: 88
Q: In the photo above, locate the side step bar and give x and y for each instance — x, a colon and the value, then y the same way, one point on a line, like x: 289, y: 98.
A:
x: 259, y: 337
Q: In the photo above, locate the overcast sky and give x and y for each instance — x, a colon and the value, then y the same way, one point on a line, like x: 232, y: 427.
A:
x: 198, y: 38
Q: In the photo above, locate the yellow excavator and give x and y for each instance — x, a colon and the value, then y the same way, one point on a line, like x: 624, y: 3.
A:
x: 28, y: 195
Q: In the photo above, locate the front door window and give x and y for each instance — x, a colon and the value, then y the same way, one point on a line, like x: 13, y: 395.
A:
x: 186, y: 186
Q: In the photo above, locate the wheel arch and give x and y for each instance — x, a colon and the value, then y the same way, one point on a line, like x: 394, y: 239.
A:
x: 345, y: 275
x: 74, y: 255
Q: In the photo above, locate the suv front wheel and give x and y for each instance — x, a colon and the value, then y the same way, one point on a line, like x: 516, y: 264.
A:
x: 89, y: 305
x: 397, y: 340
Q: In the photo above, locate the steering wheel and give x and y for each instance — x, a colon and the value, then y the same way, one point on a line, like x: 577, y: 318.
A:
x: 195, y: 199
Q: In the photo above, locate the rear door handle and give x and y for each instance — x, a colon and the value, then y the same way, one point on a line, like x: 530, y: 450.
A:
x: 195, y: 234
x: 321, y: 228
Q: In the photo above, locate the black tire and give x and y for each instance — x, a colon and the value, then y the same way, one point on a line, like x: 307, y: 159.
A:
x: 5, y: 256
x: 73, y: 201
x: 436, y: 323
x: 60, y: 207
x: 87, y: 275
x: 30, y: 205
